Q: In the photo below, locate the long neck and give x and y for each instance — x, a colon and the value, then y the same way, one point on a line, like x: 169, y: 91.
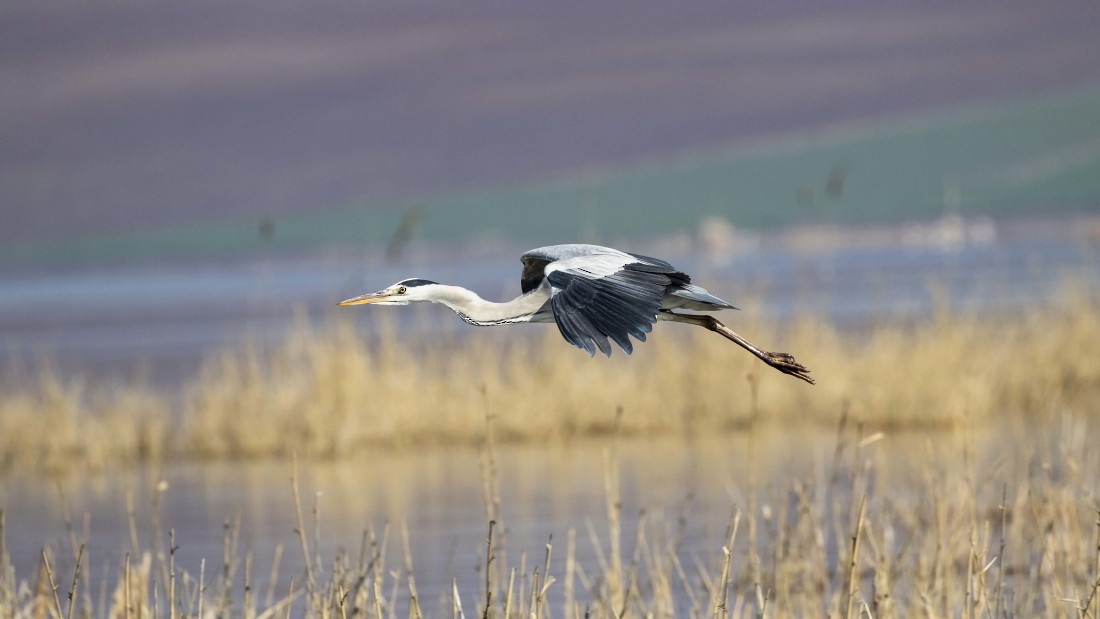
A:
x: 477, y: 311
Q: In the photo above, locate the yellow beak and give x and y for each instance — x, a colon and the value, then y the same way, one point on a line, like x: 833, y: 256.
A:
x: 373, y: 297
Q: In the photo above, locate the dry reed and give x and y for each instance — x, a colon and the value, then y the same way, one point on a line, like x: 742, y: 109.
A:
x: 330, y: 392
x: 932, y: 541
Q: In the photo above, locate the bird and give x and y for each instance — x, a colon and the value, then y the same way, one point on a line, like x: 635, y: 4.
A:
x: 594, y: 294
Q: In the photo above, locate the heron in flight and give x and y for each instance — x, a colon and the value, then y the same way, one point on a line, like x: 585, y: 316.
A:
x: 594, y: 294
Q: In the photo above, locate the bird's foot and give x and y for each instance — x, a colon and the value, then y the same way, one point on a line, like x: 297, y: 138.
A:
x: 785, y: 363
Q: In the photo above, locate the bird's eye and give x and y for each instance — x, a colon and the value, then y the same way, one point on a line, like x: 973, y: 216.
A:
x: 401, y: 289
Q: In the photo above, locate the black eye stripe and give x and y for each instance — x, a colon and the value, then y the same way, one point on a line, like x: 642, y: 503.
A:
x: 412, y: 283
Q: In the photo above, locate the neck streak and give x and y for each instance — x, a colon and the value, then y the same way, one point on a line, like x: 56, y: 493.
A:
x: 477, y: 311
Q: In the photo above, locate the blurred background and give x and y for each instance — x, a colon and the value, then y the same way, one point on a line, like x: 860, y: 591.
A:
x: 176, y: 174
x: 178, y: 178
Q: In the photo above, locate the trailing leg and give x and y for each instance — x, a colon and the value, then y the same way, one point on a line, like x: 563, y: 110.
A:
x: 779, y: 360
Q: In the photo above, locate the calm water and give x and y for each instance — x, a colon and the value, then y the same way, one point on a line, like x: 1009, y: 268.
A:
x: 113, y: 322
x: 545, y: 490
x: 686, y: 488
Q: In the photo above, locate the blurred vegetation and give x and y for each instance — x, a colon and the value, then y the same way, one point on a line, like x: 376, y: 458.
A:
x: 1038, y: 156
x: 328, y: 392
x: 883, y: 528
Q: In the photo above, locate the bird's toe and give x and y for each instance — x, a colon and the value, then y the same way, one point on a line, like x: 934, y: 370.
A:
x: 786, y: 363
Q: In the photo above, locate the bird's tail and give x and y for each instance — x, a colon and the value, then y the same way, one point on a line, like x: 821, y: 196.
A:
x: 698, y: 294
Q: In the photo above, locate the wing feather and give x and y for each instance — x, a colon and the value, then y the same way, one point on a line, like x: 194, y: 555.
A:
x: 580, y: 332
x: 599, y: 293
x: 596, y: 298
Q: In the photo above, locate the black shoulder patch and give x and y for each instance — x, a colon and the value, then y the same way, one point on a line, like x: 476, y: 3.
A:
x: 412, y: 283
x: 533, y: 273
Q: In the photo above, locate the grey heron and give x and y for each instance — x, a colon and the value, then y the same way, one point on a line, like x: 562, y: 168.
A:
x: 594, y: 294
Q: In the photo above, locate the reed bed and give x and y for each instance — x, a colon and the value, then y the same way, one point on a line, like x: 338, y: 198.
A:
x: 970, y: 524
x: 329, y: 391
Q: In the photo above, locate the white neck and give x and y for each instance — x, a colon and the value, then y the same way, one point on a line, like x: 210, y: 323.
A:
x: 477, y: 311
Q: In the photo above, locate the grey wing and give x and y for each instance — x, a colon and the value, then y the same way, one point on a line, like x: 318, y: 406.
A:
x: 594, y: 302
x: 693, y: 297
x: 535, y: 261
x: 664, y: 266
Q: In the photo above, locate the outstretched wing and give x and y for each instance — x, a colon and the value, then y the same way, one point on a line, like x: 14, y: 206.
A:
x: 536, y: 260
x: 606, y: 295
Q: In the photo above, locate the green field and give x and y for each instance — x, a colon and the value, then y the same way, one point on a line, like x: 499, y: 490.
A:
x: 1038, y: 156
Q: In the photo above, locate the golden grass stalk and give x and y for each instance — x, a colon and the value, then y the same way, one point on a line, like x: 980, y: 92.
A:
x: 924, y: 556
x: 328, y: 391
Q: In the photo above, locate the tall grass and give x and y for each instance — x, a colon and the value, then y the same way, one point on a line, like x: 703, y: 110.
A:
x: 54, y: 425
x: 970, y: 524
x: 328, y: 391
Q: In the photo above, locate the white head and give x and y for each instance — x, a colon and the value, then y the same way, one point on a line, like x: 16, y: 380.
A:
x: 406, y: 291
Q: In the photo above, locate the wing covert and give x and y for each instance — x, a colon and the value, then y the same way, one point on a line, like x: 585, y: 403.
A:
x: 593, y: 303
